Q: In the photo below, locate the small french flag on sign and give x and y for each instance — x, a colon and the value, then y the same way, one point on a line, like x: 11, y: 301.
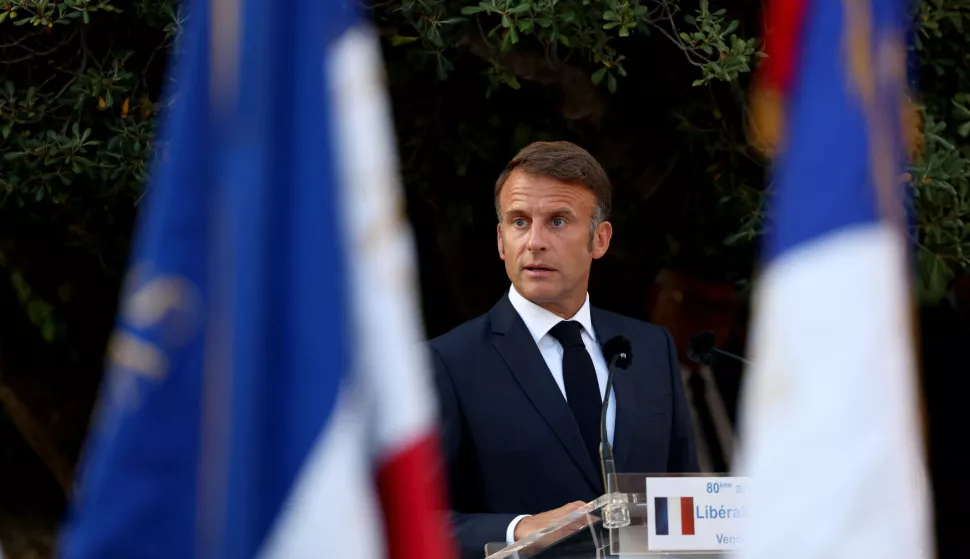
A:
x: 675, y: 515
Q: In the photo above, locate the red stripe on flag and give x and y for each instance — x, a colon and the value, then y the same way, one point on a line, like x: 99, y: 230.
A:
x: 784, y: 24
x: 687, y: 516
x: 413, y: 502
x: 784, y: 21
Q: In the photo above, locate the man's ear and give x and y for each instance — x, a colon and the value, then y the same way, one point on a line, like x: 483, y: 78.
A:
x: 601, y: 239
x: 501, y: 242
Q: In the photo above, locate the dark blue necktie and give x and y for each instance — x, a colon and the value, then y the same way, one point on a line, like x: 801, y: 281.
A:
x: 582, y: 388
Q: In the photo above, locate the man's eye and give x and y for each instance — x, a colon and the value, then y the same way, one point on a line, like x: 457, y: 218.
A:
x: 518, y: 222
x: 558, y: 222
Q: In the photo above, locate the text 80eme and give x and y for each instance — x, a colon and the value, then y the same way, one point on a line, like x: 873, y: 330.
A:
x: 722, y: 486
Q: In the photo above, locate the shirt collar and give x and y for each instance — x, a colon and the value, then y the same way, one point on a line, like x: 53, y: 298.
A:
x: 539, y: 320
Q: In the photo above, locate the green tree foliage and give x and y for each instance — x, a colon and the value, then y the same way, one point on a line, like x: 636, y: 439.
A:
x: 718, y: 48
x: 940, y: 174
x: 79, y: 90
x: 657, y: 89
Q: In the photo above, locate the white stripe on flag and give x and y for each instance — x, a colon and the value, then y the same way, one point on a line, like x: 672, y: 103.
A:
x: 381, y: 255
x: 674, y: 527
x: 332, y: 510
x: 830, y: 418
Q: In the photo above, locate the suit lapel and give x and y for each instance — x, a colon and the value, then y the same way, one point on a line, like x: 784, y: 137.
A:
x: 514, y: 342
x: 624, y: 387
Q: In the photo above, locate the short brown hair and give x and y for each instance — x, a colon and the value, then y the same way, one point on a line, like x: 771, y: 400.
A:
x: 566, y: 162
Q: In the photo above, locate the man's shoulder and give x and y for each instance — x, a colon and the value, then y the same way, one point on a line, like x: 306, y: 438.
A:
x: 652, y: 343
x: 462, y: 338
x: 631, y: 326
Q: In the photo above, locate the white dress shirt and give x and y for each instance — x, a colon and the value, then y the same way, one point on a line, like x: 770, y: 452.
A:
x: 539, y: 321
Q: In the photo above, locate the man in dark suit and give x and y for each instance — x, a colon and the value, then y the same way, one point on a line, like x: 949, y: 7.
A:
x: 521, y: 387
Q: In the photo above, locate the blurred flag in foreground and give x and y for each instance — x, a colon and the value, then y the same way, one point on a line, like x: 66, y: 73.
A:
x: 266, y: 392
x: 832, y: 431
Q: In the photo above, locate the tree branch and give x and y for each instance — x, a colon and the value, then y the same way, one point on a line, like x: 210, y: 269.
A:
x: 36, y: 53
x: 582, y: 100
x: 39, y: 438
x: 26, y: 37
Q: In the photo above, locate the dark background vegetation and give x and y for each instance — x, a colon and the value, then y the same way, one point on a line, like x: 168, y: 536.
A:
x: 655, y: 89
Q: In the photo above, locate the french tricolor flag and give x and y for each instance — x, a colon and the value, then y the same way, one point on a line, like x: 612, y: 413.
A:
x: 831, y: 415
x: 267, y: 392
x: 674, y: 515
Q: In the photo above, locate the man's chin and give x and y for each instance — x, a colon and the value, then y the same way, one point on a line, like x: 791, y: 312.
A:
x: 537, y: 291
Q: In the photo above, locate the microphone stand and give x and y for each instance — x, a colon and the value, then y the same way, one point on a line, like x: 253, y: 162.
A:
x: 731, y: 355
x: 616, y: 514
x: 703, y: 348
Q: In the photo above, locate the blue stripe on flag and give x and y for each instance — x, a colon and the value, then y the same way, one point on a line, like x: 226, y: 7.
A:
x: 660, y: 511
x: 289, y: 336
x: 823, y: 181
x: 137, y: 476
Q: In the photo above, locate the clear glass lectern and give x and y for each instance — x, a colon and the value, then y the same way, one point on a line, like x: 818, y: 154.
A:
x: 617, y: 525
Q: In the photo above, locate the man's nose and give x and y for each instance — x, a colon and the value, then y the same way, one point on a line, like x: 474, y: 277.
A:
x: 537, y: 239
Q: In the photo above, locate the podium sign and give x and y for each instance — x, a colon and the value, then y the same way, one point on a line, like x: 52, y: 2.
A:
x: 696, y: 513
x: 683, y: 516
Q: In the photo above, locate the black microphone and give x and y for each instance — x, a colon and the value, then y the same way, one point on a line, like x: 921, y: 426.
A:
x: 703, y: 349
x: 619, y: 353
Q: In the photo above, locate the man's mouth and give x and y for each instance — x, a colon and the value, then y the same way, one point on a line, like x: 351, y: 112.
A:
x: 539, y: 268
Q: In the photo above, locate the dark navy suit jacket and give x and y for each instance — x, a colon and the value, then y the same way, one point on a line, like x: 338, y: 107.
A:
x: 511, y: 443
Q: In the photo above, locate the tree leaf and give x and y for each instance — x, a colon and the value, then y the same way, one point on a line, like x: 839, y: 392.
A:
x: 964, y: 129
x: 521, y: 8
x: 506, y: 41
x: 399, y: 40
x: 934, y: 273
x: 598, y: 75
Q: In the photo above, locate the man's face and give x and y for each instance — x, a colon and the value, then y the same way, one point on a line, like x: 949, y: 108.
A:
x: 544, y: 238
